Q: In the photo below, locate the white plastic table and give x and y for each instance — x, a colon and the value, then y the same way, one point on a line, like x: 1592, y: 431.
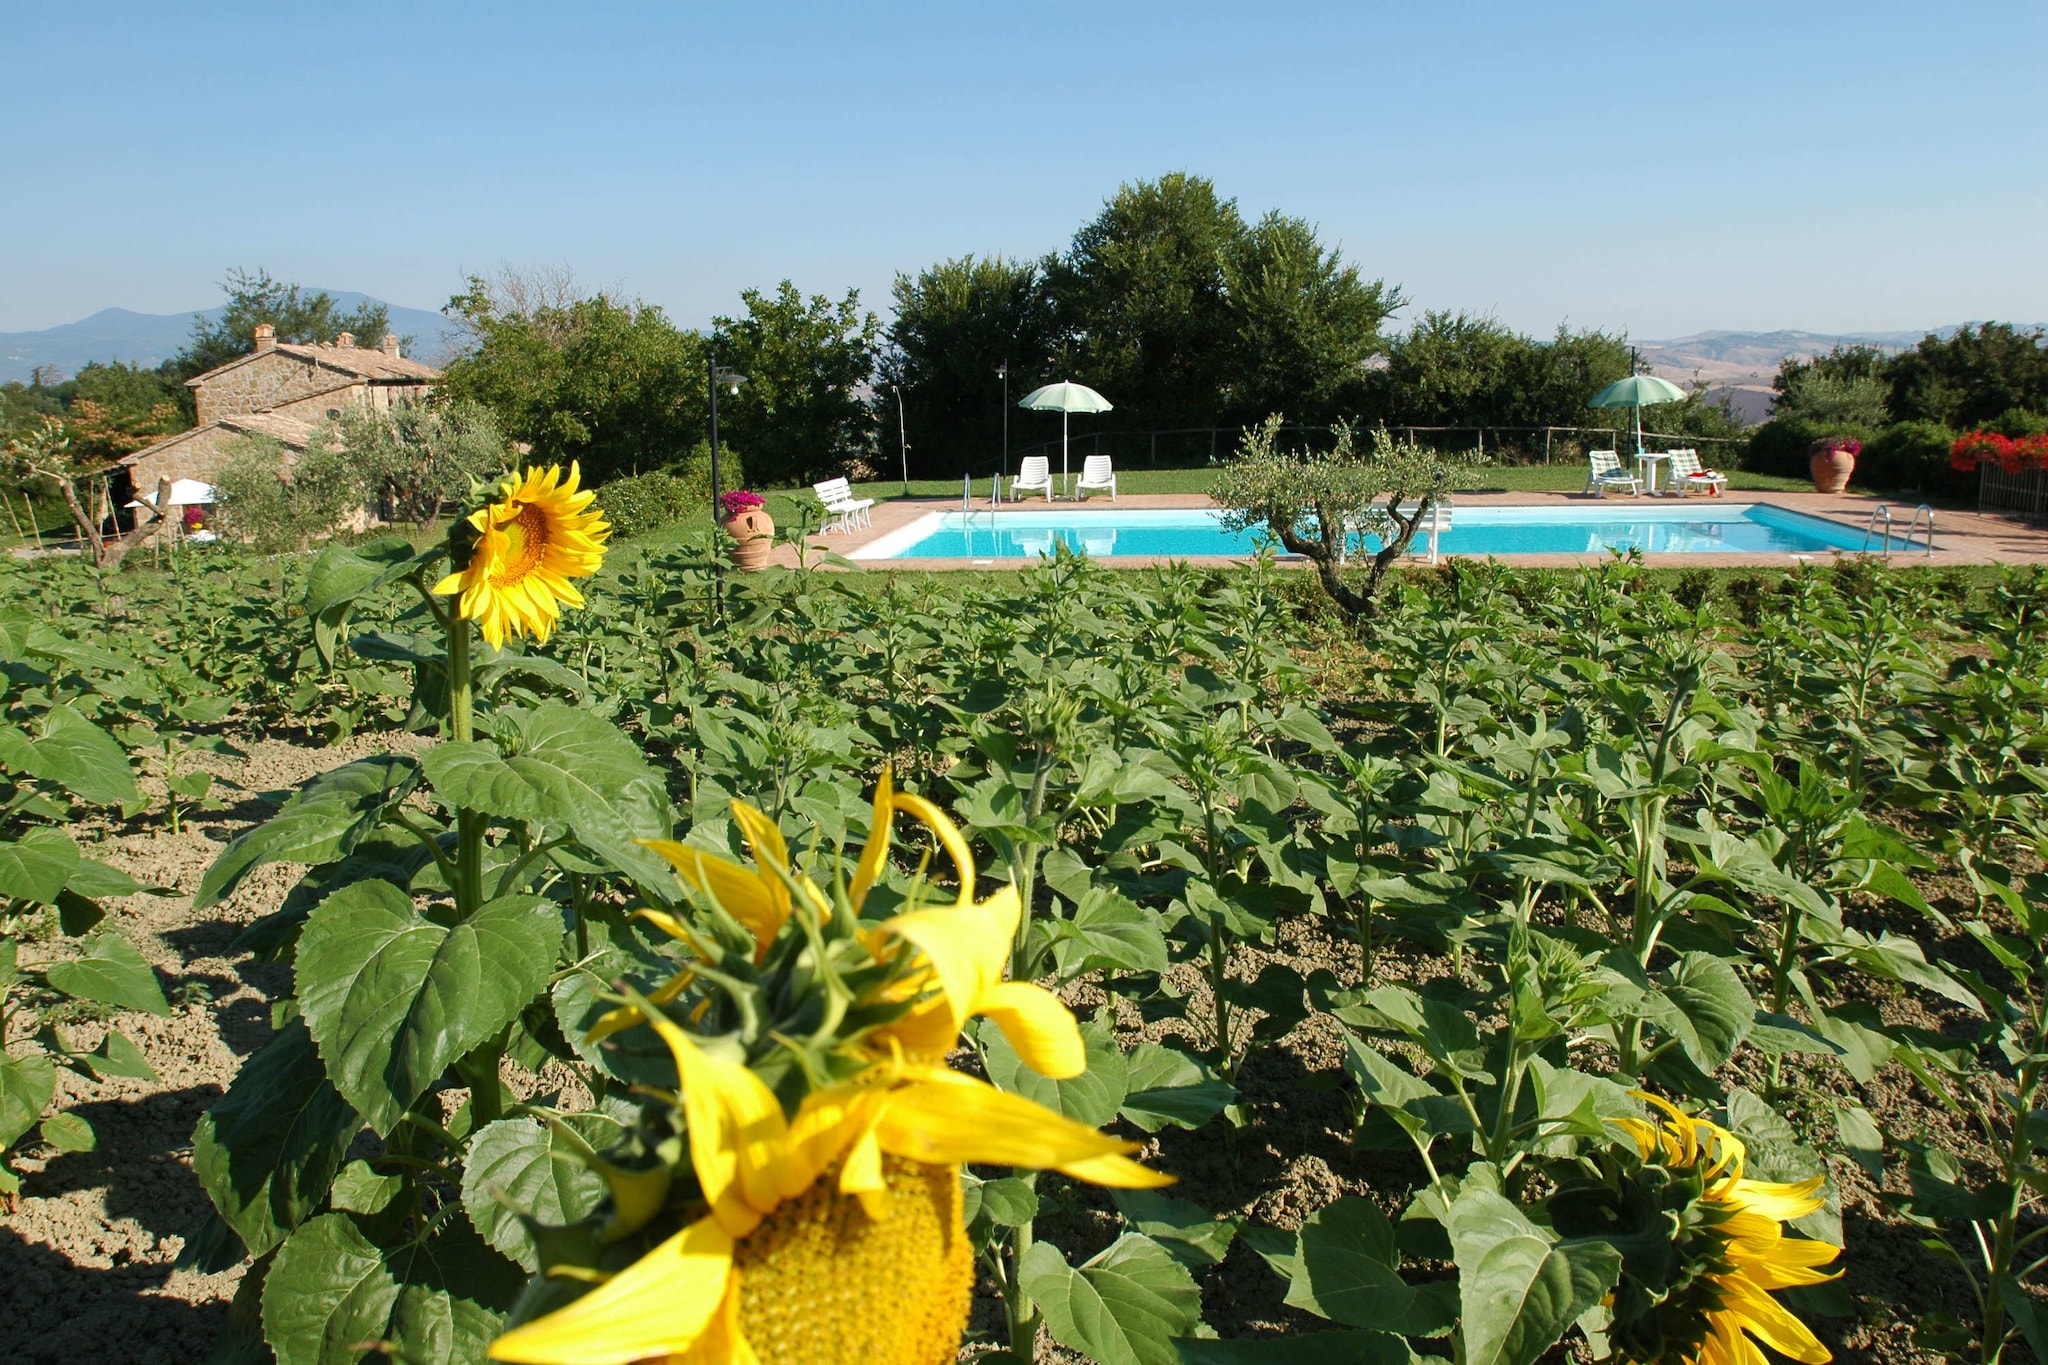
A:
x: 1648, y: 469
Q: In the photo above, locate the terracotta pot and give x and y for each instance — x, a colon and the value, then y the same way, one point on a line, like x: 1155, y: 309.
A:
x: 754, y: 529
x: 1830, y: 469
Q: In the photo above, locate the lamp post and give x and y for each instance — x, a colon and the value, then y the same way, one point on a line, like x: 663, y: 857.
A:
x: 902, y: 441
x: 1003, y: 372
x: 732, y: 379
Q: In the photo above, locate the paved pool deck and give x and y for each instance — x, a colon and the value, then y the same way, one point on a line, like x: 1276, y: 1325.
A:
x: 1960, y: 537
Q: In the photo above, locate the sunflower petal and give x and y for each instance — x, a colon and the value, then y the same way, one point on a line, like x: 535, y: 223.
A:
x: 1771, y: 1323
x: 949, y: 837
x: 876, y: 851
x: 737, y: 1132
x: 1039, y: 1027
x: 967, y: 946
x: 659, y: 1305
x: 740, y: 891
x: 950, y: 1123
x: 1782, y: 1202
x: 723, y: 1343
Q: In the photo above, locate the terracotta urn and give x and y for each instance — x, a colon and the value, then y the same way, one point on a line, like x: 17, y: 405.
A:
x: 1831, y: 463
x: 754, y: 530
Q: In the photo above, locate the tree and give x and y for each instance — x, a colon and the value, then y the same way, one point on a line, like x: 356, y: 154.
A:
x: 1451, y: 369
x: 118, y: 408
x: 414, y: 458
x: 609, y: 383
x: 45, y: 452
x: 1312, y: 501
x: 299, y: 317
x: 1970, y: 378
x: 279, y: 506
x: 1303, y: 324
x: 799, y: 417
x: 1141, y: 301
x: 955, y: 323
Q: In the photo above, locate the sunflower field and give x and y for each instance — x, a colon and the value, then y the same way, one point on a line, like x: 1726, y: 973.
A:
x: 1129, y: 966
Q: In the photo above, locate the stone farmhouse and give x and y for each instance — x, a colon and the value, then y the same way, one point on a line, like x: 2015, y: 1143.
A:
x: 282, y: 391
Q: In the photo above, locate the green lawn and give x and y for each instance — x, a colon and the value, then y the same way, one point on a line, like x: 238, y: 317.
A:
x: 1534, y: 478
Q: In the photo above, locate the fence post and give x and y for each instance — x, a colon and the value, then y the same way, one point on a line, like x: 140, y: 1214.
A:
x: 1546, y: 445
x: 1155, y: 450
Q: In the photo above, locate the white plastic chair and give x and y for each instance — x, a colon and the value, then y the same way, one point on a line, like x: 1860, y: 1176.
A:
x: 1034, y: 475
x: 1096, y: 472
x: 841, y: 506
x: 1604, y: 471
x: 1686, y: 474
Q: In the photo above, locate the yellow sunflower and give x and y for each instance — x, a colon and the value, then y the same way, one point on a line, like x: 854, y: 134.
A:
x: 537, y: 536
x: 810, y: 1203
x: 1707, y: 1291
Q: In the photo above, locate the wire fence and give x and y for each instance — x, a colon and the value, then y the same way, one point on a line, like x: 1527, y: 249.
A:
x: 2022, y: 495
x: 1185, y: 446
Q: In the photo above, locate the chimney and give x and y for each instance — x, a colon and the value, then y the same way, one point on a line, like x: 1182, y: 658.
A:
x: 390, y: 344
x: 266, y: 337
x: 345, y: 340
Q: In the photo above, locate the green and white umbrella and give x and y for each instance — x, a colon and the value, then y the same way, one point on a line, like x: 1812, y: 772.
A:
x: 1063, y: 398
x: 1638, y: 391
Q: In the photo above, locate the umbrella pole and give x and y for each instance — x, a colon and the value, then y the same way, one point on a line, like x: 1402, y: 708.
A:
x: 1066, y: 459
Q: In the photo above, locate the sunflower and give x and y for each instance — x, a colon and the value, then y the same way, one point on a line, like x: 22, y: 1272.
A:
x: 824, y: 1133
x: 1702, y: 1246
x: 539, y: 534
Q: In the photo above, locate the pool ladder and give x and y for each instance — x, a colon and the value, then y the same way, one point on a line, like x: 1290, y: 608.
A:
x: 1883, y: 513
x: 995, y: 497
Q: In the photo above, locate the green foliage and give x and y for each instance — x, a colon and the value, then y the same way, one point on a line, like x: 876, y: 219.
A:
x: 1970, y: 378
x: 413, y: 460
x: 1141, y: 301
x: 954, y: 323
x: 1914, y: 454
x: 1824, y: 398
x: 1456, y: 369
x: 1644, y: 838
x: 798, y: 416
x: 1314, y: 502
x: 277, y: 501
x: 648, y: 502
x: 609, y: 383
x: 1303, y: 323
x: 299, y: 316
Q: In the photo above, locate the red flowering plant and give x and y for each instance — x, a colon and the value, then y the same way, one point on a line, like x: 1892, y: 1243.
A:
x: 2015, y: 456
x: 738, y: 501
x: 1847, y: 444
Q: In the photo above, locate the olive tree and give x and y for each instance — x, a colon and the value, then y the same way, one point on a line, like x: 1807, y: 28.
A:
x: 1313, y: 501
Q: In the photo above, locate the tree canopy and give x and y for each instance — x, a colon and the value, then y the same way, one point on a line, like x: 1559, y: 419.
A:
x: 800, y: 415
x: 300, y: 317
x: 955, y: 323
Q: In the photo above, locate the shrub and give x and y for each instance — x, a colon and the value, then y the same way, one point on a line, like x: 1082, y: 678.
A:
x: 278, y: 504
x: 1913, y: 455
x: 646, y: 502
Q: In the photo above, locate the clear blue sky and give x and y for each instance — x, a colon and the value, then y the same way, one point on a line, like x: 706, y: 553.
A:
x: 1659, y: 168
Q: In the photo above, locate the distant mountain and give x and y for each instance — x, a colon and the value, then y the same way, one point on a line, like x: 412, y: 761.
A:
x: 1741, y: 365
x: 152, y: 338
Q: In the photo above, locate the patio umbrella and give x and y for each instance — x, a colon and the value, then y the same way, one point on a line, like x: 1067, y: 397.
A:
x: 1638, y: 391
x: 1063, y: 398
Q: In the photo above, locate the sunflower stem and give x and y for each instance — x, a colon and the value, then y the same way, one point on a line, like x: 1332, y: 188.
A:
x: 1018, y: 1306
x: 469, y: 826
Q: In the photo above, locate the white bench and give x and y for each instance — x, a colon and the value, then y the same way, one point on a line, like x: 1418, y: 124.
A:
x: 843, y: 509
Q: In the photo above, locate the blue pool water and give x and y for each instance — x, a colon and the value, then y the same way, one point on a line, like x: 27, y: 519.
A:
x: 1678, y: 528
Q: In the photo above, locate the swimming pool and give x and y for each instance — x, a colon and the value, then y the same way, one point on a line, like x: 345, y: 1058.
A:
x: 1679, y: 528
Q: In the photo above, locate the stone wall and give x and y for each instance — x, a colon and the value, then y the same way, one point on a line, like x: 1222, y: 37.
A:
x: 264, y: 382
x: 199, y: 456
x: 316, y: 408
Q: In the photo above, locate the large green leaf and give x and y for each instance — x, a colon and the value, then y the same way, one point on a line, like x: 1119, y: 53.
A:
x: 268, y: 1149
x: 324, y: 821
x: 514, y: 1168
x: 392, y: 998
x: 1108, y: 931
x: 431, y: 1325
x: 37, y: 866
x: 1711, y: 1010
x: 1347, y: 1270
x: 569, y: 767
x: 1190, y: 1232
x: 1165, y: 1085
x: 26, y: 1085
x: 1519, y: 1289
x: 1124, y: 1307
x: 112, y: 972
x: 64, y: 748
x: 327, y: 1294
x: 1091, y: 1098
